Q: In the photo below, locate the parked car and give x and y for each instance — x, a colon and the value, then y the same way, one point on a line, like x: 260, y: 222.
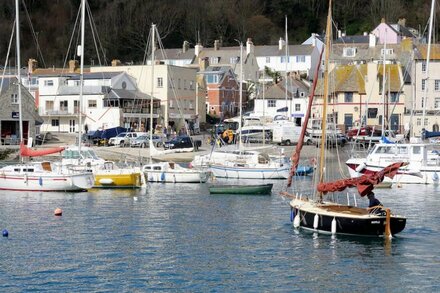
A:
x: 143, y: 141
x: 364, y: 131
x: 332, y: 140
x: 124, y: 138
x: 181, y: 142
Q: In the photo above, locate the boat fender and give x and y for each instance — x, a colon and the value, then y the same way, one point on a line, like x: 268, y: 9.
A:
x: 5, y: 233
x: 292, y: 214
x: 360, y: 167
x: 315, y: 221
x: 162, y: 177
x: 40, y: 181
x: 435, y: 176
x: 333, y: 226
x: 296, y: 221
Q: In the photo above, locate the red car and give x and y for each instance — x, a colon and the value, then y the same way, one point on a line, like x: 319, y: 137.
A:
x: 364, y: 131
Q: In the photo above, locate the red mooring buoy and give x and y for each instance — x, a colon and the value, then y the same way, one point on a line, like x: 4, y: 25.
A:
x: 58, y: 212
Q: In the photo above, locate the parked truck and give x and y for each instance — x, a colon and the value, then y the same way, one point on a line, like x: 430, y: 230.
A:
x: 285, y: 133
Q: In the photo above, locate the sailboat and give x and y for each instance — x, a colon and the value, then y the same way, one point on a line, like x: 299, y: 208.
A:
x: 240, y: 164
x: 39, y: 176
x: 106, y: 173
x: 167, y: 172
x: 312, y: 212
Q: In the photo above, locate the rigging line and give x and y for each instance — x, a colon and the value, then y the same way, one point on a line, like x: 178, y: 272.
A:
x: 71, y: 41
x: 96, y: 39
x: 33, y: 34
x: 7, y: 55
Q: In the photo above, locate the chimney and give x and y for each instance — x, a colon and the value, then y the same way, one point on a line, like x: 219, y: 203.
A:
x: 372, y: 41
x: 203, y: 63
x: 382, y: 20
x: 73, y: 65
x: 249, y: 46
x: 185, y: 46
x: 116, y: 62
x: 281, y: 44
x: 216, y: 45
x: 402, y: 22
x: 197, y: 49
x: 32, y: 65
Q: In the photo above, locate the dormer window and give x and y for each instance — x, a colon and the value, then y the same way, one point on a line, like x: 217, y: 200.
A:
x: 234, y: 60
x: 349, y: 52
x: 386, y: 51
x: 214, y: 60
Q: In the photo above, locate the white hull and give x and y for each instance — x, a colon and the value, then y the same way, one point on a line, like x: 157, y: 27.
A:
x: 45, y: 182
x: 250, y: 173
x: 423, y: 175
x: 172, y: 173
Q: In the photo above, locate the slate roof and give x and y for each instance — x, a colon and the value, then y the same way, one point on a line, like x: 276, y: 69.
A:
x: 125, y: 94
x: 278, y: 91
x: 175, y: 54
x: 355, y: 39
x: 96, y: 75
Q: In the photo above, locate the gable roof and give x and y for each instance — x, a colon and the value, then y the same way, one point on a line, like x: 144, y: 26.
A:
x: 174, y: 54
x: 355, y: 39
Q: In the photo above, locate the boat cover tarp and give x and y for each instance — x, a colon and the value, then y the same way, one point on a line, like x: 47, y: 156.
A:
x: 109, y: 133
x: 364, y: 183
x: 28, y: 152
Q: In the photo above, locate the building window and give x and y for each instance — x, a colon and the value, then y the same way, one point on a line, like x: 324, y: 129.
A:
x: 372, y: 112
x: 283, y: 59
x: 349, y: 52
x: 386, y: 51
x: 212, y: 78
x: 191, y: 106
x: 111, y: 103
x: 267, y: 59
x: 178, y: 83
x: 297, y: 107
x: 191, y: 85
x: 184, y: 84
x: 159, y: 82
x: 419, y: 121
x: 437, y: 103
x: 423, y: 84
x: 49, y: 105
x: 423, y: 66
x: 423, y: 102
x: 171, y: 104
x: 64, y: 105
x: 348, y: 97
x: 214, y: 60
x: 234, y: 60
x: 302, y: 94
x: 394, y: 97
x: 92, y: 103
x: 437, y: 85
x: 14, y: 99
x: 271, y: 103
x: 55, y: 122
x: 300, y: 59
x: 48, y: 82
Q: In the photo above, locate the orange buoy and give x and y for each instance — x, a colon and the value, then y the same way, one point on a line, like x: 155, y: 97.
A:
x: 58, y: 212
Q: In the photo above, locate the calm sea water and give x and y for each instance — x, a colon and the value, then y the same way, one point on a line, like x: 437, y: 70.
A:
x: 179, y: 238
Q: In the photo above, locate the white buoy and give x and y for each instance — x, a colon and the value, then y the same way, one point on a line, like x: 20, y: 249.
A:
x: 296, y: 221
x: 334, y: 226
x: 316, y: 221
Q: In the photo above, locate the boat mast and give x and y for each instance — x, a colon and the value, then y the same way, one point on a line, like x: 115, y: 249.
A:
x: 81, y: 73
x: 428, y: 56
x: 325, y: 94
x: 286, y: 56
x: 153, y: 31
x: 240, y: 143
x: 17, y: 28
x: 383, y: 82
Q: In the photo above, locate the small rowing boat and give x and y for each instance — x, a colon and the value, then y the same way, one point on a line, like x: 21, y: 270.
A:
x: 261, y: 189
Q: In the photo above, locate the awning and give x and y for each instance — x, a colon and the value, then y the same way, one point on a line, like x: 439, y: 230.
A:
x: 284, y: 109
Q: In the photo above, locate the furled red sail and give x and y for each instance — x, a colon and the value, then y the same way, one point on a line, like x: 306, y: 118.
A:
x: 28, y: 152
x: 364, y: 184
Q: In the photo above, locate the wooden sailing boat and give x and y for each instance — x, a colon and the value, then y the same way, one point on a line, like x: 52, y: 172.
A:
x: 39, y: 176
x: 314, y: 213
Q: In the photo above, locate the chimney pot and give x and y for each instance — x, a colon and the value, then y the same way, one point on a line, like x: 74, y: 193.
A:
x: 116, y: 62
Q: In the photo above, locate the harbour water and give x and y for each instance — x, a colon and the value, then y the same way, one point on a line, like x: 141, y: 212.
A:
x: 177, y: 237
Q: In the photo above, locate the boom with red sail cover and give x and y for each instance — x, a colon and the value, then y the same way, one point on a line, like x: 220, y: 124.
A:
x: 28, y: 152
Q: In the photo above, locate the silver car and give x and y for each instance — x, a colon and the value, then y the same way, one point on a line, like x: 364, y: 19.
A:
x: 143, y: 141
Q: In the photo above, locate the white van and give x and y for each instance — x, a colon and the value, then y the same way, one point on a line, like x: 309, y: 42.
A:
x: 286, y: 133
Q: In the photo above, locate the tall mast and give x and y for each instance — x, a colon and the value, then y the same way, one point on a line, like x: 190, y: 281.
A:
x: 428, y: 55
x: 240, y: 143
x: 17, y: 28
x: 383, y: 81
x: 81, y: 72
x: 153, y: 32
x: 328, y: 34
x: 287, y: 62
